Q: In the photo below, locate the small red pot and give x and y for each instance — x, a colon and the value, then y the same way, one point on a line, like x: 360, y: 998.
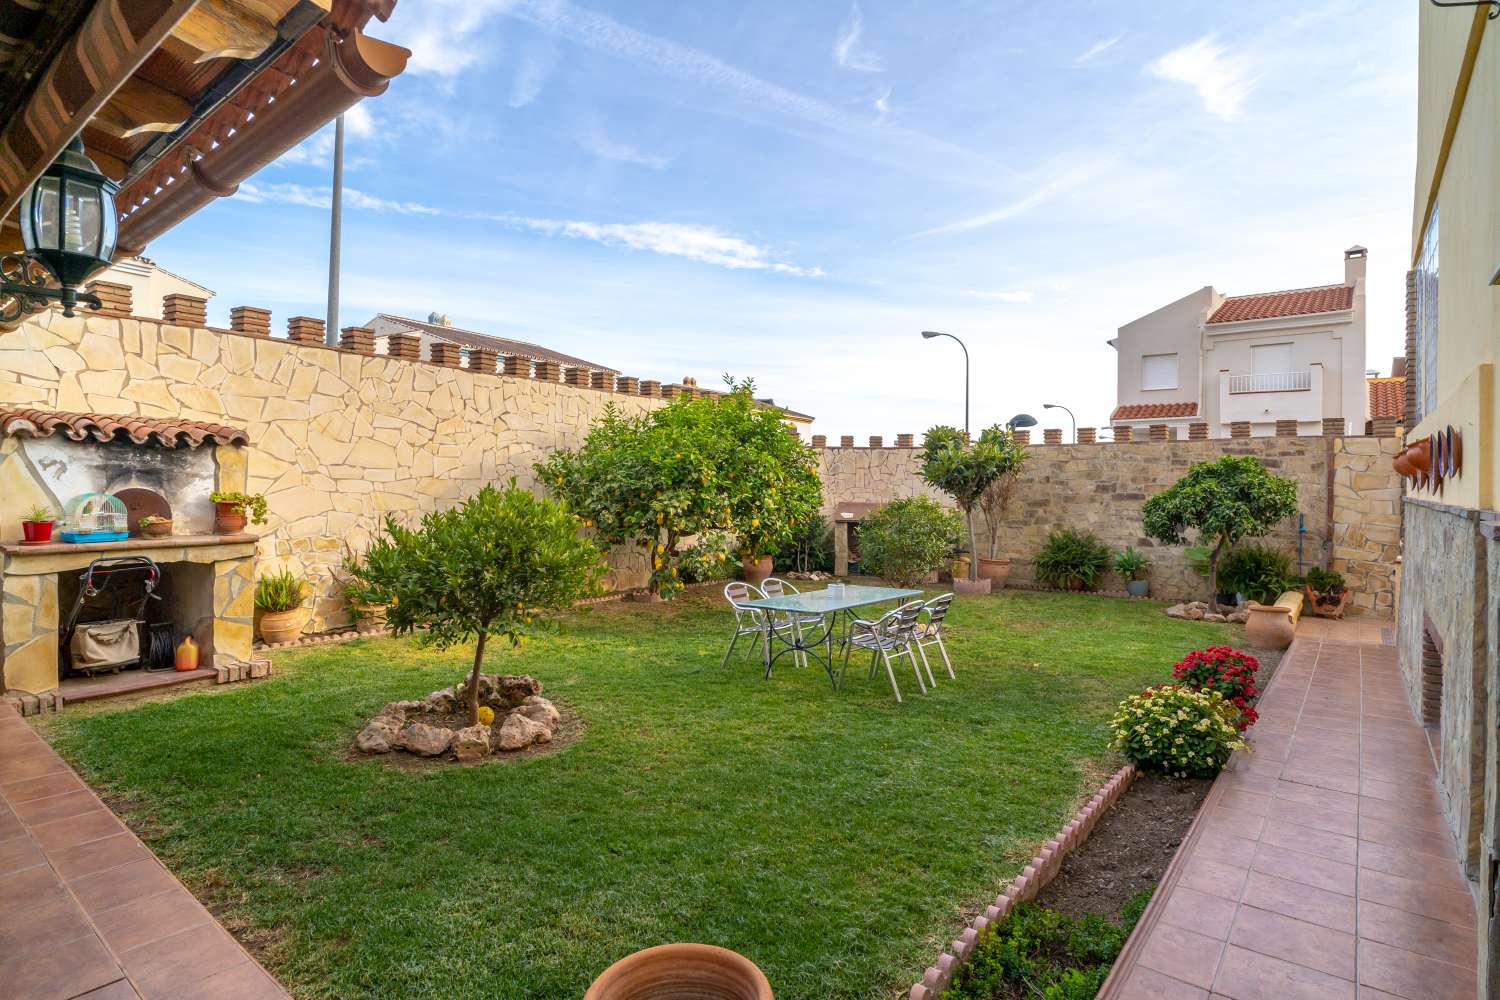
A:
x: 37, y: 531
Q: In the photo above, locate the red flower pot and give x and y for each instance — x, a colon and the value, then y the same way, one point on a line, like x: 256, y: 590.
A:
x: 37, y: 531
x: 229, y: 518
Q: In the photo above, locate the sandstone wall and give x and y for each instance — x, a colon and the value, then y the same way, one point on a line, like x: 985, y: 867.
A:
x: 339, y: 439
x: 1347, y: 493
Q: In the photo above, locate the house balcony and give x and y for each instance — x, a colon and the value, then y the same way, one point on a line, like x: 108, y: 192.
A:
x: 1265, y: 397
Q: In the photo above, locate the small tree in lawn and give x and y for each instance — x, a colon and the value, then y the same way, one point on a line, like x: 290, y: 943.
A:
x: 487, y: 567
x: 1224, y: 501
x: 965, y: 472
x: 996, y: 498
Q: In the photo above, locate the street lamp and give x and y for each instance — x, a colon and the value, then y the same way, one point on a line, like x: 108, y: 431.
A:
x: 68, y: 231
x: 1059, y: 406
x: 928, y: 335
x: 1021, y: 420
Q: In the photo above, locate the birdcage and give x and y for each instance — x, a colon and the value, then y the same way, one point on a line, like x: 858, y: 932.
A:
x: 94, y: 517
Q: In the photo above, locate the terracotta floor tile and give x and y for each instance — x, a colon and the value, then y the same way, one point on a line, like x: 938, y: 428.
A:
x: 1219, y: 844
x: 1249, y: 975
x: 1399, y: 861
x: 29, y: 887
x: 43, y: 926
x: 1318, y: 778
x: 117, y: 990
x: 1295, y: 941
x: 1390, y: 812
x: 1233, y: 821
x: 1400, y: 792
x: 1454, y: 906
x: 17, y: 792
x: 96, y: 824
x: 184, y: 958
x: 1198, y: 911
x: 149, y: 918
x: 1308, y: 869
x: 1438, y: 845
x: 1303, y: 902
x: 1211, y: 876
x: 31, y: 767
x: 55, y: 807
x: 1413, y: 976
x: 241, y: 982
x: 18, y: 853
x: 1334, y: 846
x: 120, y: 885
x: 1181, y: 954
x: 1147, y: 984
x: 97, y: 855
x: 1433, y: 938
x: 1323, y: 798
x: 1251, y: 803
x: 58, y: 973
x: 1330, y: 819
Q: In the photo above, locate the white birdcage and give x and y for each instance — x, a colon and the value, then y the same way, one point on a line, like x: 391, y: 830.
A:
x: 94, y: 517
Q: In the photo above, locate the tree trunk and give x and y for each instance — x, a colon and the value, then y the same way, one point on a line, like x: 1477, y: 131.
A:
x: 1213, y: 574
x: 973, y: 546
x: 474, y: 680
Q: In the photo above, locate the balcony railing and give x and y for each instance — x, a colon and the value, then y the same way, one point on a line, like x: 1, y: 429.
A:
x: 1271, y: 382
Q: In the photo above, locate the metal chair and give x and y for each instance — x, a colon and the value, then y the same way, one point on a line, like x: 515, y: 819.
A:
x: 889, y: 637
x: 747, y: 620
x: 930, y: 632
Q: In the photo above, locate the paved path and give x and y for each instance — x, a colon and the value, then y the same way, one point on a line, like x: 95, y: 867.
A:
x: 86, y: 910
x: 1321, y: 868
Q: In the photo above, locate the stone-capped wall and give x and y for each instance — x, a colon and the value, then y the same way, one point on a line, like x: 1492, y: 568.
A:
x: 339, y: 439
x: 1347, y: 493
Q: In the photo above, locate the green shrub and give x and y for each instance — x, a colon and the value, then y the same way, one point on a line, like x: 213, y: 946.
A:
x: 810, y: 549
x: 1131, y: 564
x: 280, y: 591
x: 1070, y: 555
x: 907, y: 539
x: 1323, y: 581
x: 1176, y: 731
x: 712, y: 557
x: 1259, y: 572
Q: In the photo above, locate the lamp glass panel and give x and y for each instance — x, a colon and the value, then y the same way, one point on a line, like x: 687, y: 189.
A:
x: 82, y: 218
x: 39, y: 215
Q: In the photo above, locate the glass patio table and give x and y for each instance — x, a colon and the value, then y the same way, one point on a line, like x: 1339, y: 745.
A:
x: 828, y: 606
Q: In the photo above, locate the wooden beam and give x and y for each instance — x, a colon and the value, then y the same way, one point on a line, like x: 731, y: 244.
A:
x: 114, y: 168
x: 224, y: 29
x: 139, y: 107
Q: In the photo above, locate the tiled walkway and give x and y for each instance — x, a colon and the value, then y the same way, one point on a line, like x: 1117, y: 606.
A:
x: 86, y: 910
x: 1321, y: 868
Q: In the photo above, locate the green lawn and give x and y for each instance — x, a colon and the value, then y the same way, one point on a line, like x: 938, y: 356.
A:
x: 833, y: 838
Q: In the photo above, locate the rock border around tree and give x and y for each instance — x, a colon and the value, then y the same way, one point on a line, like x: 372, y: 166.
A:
x: 518, y: 718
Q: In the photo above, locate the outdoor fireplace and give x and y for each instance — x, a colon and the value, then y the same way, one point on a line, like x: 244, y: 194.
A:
x: 158, y: 466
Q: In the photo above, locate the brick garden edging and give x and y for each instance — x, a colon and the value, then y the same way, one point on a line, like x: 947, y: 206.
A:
x: 1025, y: 886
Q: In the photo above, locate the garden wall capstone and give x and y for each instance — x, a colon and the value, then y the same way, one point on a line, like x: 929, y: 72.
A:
x: 1347, y: 494
x: 339, y: 438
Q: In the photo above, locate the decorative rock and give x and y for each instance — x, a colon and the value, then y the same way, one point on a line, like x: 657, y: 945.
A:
x: 515, y: 689
x: 428, y: 741
x: 539, y: 709
x: 441, y: 702
x: 1216, y: 617
x: 518, y: 732
x: 472, y: 743
x: 400, y: 708
x: 380, y: 734
x: 1239, y: 617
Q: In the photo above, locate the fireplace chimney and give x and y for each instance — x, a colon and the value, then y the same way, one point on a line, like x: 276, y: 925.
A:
x: 1354, y: 264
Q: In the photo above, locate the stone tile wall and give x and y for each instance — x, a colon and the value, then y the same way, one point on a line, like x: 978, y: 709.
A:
x: 339, y: 438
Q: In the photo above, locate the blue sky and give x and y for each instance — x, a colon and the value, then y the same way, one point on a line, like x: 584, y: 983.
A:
x: 794, y: 190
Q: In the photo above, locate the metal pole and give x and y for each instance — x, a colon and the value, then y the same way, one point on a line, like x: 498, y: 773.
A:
x: 335, y: 226
x: 1059, y: 406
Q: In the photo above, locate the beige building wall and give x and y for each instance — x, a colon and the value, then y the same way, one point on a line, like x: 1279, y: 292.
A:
x: 149, y: 284
x: 1173, y: 329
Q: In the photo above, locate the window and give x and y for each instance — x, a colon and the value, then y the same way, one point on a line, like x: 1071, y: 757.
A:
x: 1427, y: 321
x: 1271, y: 359
x: 1159, y: 371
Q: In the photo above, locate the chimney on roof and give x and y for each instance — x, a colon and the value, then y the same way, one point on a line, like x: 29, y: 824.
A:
x: 1398, y: 367
x: 1354, y: 264
x: 439, y: 319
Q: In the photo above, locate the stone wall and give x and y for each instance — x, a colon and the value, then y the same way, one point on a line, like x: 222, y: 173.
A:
x: 1347, y: 493
x: 339, y: 438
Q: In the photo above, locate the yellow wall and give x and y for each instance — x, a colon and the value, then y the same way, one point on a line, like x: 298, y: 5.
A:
x: 1468, y: 196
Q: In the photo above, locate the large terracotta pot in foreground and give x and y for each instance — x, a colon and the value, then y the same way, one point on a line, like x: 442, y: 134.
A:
x: 755, y: 571
x: 996, y: 570
x: 682, y: 972
x: 1270, y: 626
x: 283, y: 626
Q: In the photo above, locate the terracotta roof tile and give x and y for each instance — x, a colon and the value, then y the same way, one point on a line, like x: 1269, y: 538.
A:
x: 1387, y: 397
x: 1146, y: 411
x: 103, y: 427
x: 503, y: 346
x: 1293, y: 302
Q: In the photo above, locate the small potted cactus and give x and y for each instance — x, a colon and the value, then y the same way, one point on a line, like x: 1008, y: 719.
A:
x: 36, y: 525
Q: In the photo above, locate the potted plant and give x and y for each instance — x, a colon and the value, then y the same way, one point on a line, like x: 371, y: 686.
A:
x: 700, y: 971
x: 1131, y: 565
x: 36, y: 525
x: 154, y: 526
x: 231, y: 510
x: 1072, y: 560
x: 278, y: 597
x: 1255, y: 572
x: 1326, y: 592
x: 965, y: 472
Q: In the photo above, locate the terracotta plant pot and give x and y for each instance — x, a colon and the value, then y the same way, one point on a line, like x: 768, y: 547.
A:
x: 229, y: 518
x: 282, y: 626
x: 997, y: 570
x: 1402, y: 464
x: 756, y: 570
x: 682, y: 972
x: 37, y: 532
x: 156, y: 529
x: 1269, y: 626
x: 1325, y: 608
x: 963, y: 585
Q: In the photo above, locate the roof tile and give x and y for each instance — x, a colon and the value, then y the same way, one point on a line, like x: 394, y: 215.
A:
x: 1293, y: 302
x: 1146, y: 411
x: 503, y: 346
x: 27, y: 422
x: 1387, y: 397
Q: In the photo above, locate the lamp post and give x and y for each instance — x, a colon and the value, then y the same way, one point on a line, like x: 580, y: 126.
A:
x: 928, y: 335
x: 68, y: 231
x: 1059, y: 406
x: 1021, y: 420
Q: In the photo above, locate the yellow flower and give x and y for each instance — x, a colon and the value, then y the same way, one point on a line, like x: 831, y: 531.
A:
x: 755, y: 522
x: 486, y: 715
x: 528, y: 619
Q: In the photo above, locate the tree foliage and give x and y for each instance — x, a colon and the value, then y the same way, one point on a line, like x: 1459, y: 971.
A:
x: 489, y: 566
x: 965, y: 472
x: 907, y: 539
x: 722, y: 462
x: 1223, y: 501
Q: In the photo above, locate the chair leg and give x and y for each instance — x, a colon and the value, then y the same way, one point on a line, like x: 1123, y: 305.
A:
x: 891, y: 674
x: 946, y: 662
x: 730, y: 651
x: 921, y: 649
x: 874, y: 662
x: 915, y: 667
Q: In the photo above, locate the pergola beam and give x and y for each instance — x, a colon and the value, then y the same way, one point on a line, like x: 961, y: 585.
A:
x: 139, y: 107
x: 227, y: 29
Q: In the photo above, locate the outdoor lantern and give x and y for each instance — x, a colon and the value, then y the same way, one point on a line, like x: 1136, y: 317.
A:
x: 68, y: 226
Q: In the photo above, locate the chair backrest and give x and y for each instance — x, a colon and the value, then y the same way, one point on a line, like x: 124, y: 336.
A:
x: 937, y: 610
x: 780, y: 586
x: 901, y: 623
x: 736, y: 592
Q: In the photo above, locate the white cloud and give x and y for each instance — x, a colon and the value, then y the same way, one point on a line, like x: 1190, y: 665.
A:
x: 437, y: 32
x: 595, y: 142
x: 322, y: 197
x: 358, y: 121
x: 1098, y: 48
x: 1018, y: 296
x: 701, y: 243
x: 1222, y: 81
x: 883, y: 104
x: 531, y: 76
x: 847, y: 51
x: 1059, y: 185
